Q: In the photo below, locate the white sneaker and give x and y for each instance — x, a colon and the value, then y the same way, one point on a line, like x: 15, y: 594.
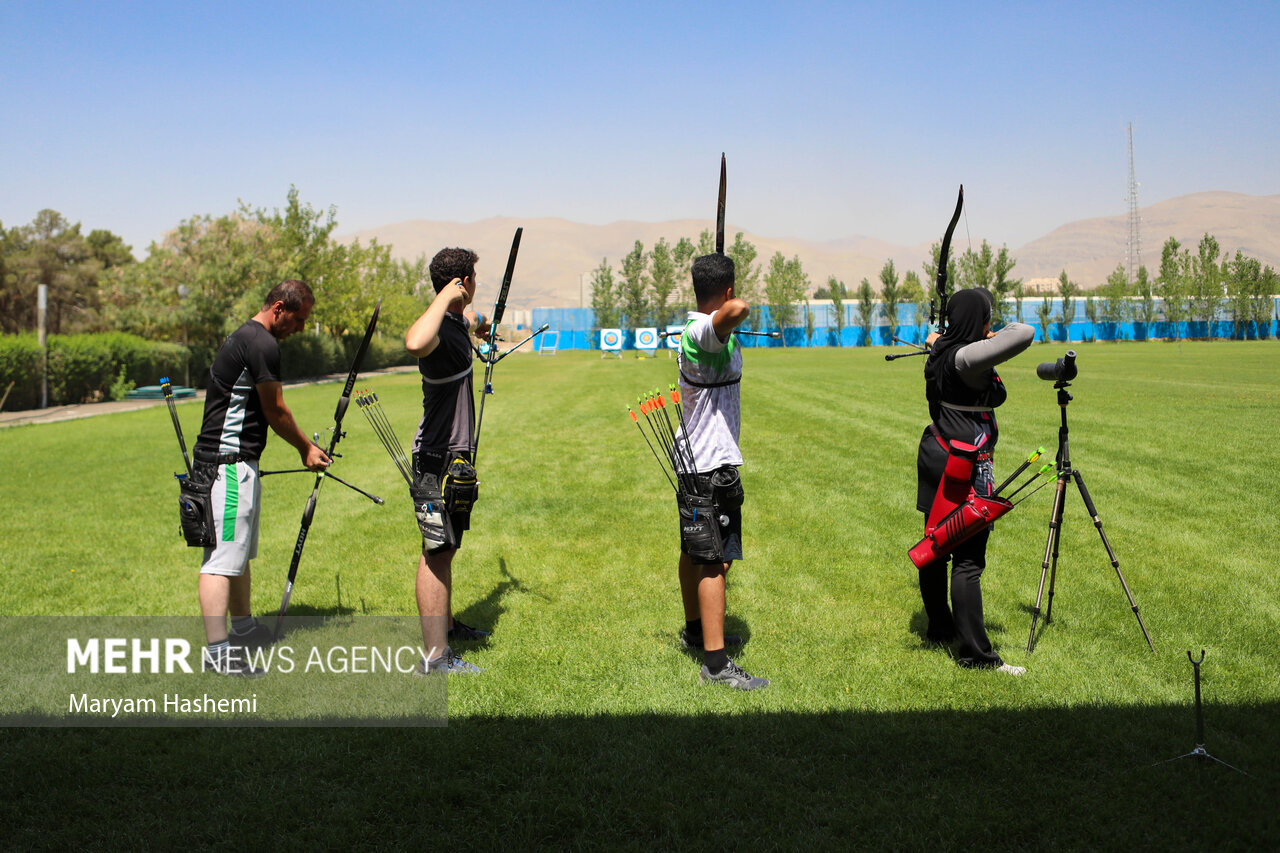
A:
x: 1010, y: 669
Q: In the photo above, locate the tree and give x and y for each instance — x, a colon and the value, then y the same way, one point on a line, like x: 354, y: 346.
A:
x: 975, y: 268
x: 1091, y: 314
x: 866, y: 310
x: 808, y: 323
x: 348, y: 278
x: 1206, y: 283
x: 604, y: 296
x: 109, y: 249
x: 891, y: 296
x: 682, y: 256
x: 197, y: 283
x: 1044, y: 314
x: 1066, y: 289
x: 662, y: 282
x: 836, y: 292
x: 1115, y: 307
x: 1171, y: 281
x: 1146, y: 308
x: 209, y: 274
x: 1242, y: 279
x: 988, y: 269
x: 913, y: 292
x: 50, y: 251
x: 634, y: 290
x: 1002, y: 286
x: 785, y: 284
x: 706, y: 243
x: 1260, y: 312
x: 746, y: 272
x: 1019, y: 294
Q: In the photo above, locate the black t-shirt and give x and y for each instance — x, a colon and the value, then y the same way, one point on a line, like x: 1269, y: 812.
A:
x: 233, y: 418
x: 448, y: 408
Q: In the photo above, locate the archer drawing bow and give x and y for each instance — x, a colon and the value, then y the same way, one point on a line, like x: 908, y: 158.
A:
x: 309, y: 512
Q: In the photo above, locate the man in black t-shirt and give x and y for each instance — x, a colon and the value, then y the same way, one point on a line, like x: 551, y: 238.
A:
x: 444, y: 445
x: 243, y: 397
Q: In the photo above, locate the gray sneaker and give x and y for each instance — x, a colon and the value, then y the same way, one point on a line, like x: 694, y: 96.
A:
x: 447, y: 664
x: 734, y: 676
x: 231, y: 663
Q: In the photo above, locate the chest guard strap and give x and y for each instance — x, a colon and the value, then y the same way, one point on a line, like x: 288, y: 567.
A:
x: 684, y: 377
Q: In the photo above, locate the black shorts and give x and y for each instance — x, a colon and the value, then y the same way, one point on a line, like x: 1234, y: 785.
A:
x: 730, y: 533
x: 459, y: 520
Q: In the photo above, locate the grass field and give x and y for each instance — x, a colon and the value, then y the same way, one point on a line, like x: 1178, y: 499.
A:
x: 589, y: 728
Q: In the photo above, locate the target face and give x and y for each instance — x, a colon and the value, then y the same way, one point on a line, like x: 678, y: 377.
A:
x: 610, y: 339
x: 646, y: 338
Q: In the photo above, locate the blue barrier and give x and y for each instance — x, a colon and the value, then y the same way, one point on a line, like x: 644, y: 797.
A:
x: 578, y: 330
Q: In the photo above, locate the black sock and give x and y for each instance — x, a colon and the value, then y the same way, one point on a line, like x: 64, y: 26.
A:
x: 715, y: 660
x: 693, y: 627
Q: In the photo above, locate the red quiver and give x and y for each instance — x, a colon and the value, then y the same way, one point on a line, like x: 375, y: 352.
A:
x: 957, y: 512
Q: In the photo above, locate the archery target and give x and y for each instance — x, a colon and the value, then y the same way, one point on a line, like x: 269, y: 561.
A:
x: 610, y: 339
x: 646, y: 338
x: 673, y: 336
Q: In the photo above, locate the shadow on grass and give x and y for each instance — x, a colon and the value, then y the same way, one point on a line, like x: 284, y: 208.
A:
x: 1061, y: 778
x: 486, y: 613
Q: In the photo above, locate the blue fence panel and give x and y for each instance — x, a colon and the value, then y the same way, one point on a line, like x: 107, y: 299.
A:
x: 578, y: 330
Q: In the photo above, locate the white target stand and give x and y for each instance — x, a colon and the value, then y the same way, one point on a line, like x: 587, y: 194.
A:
x: 610, y: 343
x: 647, y: 343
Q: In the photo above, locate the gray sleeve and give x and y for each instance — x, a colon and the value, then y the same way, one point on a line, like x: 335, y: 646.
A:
x: 972, y: 360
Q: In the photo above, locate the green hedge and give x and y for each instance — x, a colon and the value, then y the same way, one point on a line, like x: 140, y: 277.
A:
x: 88, y: 368
x: 307, y: 355
x: 84, y: 368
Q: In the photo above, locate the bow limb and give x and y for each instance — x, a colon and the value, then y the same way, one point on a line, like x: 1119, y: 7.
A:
x: 309, y: 512
x: 943, y: 252
x: 490, y: 356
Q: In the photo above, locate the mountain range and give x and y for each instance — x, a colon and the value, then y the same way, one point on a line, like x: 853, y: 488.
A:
x: 557, y: 256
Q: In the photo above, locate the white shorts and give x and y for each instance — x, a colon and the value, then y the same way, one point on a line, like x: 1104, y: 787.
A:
x: 237, y: 503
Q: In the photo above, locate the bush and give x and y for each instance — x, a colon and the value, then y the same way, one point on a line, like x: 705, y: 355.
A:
x: 20, y: 364
x: 84, y: 368
x: 307, y: 354
x: 384, y: 351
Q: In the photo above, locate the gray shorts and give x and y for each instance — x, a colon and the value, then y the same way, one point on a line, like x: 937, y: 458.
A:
x: 236, y: 500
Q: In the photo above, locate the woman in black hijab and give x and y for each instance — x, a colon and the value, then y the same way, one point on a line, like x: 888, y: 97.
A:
x: 963, y: 391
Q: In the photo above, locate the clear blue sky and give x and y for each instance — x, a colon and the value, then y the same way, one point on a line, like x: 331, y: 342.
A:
x: 838, y: 119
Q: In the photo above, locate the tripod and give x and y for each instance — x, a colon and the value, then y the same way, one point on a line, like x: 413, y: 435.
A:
x: 1065, y: 473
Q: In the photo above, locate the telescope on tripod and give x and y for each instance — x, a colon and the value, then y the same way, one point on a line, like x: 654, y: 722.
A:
x: 1061, y: 372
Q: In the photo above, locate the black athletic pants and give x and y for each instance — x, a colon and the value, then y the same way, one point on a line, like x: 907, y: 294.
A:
x: 962, y: 621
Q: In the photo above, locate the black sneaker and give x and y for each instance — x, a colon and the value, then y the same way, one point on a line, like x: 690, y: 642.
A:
x: 447, y: 664
x: 733, y: 676
x: 465, y: 633
x: 694, y: 641
x: 230, y: 664
x: 257, y: 637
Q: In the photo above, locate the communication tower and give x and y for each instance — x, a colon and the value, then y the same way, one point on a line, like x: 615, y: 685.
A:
x: 1133, y: 248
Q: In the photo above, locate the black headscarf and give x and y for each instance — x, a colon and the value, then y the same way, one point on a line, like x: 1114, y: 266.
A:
x: 968, y: 313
